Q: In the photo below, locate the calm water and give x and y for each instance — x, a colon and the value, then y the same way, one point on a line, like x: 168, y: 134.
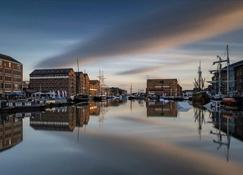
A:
x: 122, y: 138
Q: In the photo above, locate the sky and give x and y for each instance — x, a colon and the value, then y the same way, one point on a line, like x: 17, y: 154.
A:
x: 130, y: 41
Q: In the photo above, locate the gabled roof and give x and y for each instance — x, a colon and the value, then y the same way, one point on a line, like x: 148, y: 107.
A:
x: 50, y: 71
x: 8, y: 58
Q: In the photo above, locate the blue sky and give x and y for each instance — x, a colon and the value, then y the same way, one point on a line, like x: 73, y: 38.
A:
x: 130, y: 40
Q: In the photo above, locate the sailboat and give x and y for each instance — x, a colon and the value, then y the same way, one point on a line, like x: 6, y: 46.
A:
x: 227, y: 99
x: 200, y: 96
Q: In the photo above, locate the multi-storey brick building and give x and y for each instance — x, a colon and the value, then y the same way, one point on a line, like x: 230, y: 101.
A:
x: 11, y: 75
x: 80, y: 83
x: 163, y: 87
x: 94, y: 87
x: 45, y: 80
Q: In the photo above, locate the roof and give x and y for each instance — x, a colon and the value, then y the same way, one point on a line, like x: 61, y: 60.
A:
x: 234, y: 65
x: 160, y: 79
x: 8, y: 58
x: 50, y: 71
x: 94, y: 81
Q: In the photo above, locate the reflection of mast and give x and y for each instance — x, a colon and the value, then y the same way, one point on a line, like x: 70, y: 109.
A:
x: 220, y: 135
x: 131, y: 105
x: 199, y: 117
x: 102, y: 114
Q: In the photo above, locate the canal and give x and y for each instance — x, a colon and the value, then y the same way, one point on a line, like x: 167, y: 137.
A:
x: 122, y: 137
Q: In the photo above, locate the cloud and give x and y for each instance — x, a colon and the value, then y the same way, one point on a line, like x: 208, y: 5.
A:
x: 165, y: 28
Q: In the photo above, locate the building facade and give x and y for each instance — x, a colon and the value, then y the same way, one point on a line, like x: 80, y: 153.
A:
x: 163, y: 87
x: 94, y: 87
x: 11, y: 75
x: 86, y: 84
x: 58, y: 80
x: 235, y: 80
x: 80, y: 88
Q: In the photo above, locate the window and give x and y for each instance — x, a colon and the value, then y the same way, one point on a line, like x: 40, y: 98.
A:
x: 8, y: 85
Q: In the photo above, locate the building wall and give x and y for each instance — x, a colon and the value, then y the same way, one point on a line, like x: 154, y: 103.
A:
x: 164, y: 87
x: 94, y: 87
x: 11, y: 76
x: 86, y: 84
x: 80, y: 83
x: 235, y: 84
x: 239, y: 80
x: 54, y: 83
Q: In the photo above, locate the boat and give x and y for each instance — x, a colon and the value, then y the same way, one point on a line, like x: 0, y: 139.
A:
x: 99, y: 98
x: 81, y: 98
x: 230, y: 103
x: 200, y: 96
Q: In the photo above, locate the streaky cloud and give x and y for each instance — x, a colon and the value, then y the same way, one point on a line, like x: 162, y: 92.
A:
x: 193, y: 21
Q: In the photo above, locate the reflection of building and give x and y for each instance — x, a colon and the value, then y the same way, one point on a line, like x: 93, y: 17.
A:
x: 82, y: 115
x: 229, y: 121
x: 94, y: 108
x: 11, y: 74
x: 53, y: 80
x: 163, y: 87
x: 63, y: 118
x: 94, y: 87
x: 11, y: 132
x: 157, y: 109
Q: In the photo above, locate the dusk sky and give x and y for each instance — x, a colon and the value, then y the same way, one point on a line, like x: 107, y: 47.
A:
x: 129, y: 40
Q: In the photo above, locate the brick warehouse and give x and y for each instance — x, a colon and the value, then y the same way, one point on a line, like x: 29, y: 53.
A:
x: 163, y: 87
x: 11, y: 75
x: 53, y: 80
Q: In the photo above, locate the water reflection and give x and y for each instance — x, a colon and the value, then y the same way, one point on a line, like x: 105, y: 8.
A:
x: 199, y: 118
x: 218, y: 133
x: 68, y: 117
x: 158, y: 109
x: 11, y: 131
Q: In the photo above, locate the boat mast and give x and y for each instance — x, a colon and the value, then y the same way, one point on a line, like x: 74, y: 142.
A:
x: 78, y: 64
x: 200, y: 76
x: 228, y: 76
x: 219, y: 75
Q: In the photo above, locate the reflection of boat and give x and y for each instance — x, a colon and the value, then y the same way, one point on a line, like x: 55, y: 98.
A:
x: 99, y: 98
x: 230, y: 103
x: 199, y: 118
